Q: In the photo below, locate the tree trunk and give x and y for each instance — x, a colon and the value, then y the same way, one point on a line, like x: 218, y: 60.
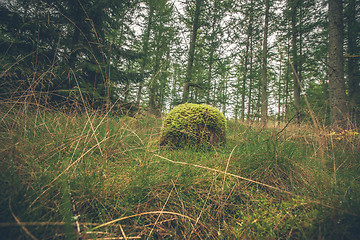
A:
x: 279, y: 91
x: 154, y: 84
x: 338, y: 104
x: 214, y: 23
x: 249, y: 110
x: 264, y: 97
x: 295, y: 59
x: 145, y: 51
x: 249, y: 35
x: 287, y: 76
x: 186, y: 88
x: 353, y: 61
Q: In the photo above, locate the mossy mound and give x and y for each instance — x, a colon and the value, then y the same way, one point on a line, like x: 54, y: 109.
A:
x: 193, y: 125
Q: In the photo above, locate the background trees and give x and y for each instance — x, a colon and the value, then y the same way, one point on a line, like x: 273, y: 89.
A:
x: 61, y: 46
x: 338, y: 102
x: 158, y: 53
x: 352, y: 30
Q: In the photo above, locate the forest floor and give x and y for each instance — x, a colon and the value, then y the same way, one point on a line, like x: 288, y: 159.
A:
x: 93, y: 176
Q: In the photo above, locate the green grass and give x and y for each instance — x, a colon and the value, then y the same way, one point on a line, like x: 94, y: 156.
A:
x: 70, y: 175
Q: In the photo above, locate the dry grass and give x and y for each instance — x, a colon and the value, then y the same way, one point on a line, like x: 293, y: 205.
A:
x: 88, y: 175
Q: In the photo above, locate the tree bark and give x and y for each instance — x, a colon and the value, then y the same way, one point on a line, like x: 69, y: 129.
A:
x: 243, y: 94
x: 294, y: 8
x: 264, y: 97
x: 249, y: 110
x: 212, y: 51
x: 249, y: 35
x: 279, y: 91
x: 287, y: 76
x: 154, y: 84
x: 186, y: 88
x: 145, y: 51
x: 338, y: 103
x: 353, y: 68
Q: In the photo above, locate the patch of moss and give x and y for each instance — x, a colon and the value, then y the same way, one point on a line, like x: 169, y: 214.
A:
x: 193, y: 125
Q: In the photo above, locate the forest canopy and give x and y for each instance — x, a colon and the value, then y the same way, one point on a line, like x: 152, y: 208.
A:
x: 278, y: 60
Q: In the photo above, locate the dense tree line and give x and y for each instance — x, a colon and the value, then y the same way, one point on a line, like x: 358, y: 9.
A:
x: 61, y: 46
x: 251, y: 59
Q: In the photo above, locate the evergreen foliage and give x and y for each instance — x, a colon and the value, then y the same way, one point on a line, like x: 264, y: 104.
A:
x: 64, y: 45
x: 147, y: 54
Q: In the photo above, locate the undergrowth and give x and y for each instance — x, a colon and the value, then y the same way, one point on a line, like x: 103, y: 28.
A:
x: 67, y: 175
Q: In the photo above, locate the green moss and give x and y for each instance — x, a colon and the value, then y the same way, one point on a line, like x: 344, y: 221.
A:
x: 192, y: 124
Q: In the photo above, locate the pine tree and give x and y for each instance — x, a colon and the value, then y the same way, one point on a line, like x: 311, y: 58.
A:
x: 264, y: 94
x: 191, y: 54
x: 338, y: 103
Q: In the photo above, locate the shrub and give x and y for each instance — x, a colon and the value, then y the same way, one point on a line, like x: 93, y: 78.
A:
x: 192, y: 124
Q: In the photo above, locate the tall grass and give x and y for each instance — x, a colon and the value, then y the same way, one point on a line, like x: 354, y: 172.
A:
x: 89, y: 175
